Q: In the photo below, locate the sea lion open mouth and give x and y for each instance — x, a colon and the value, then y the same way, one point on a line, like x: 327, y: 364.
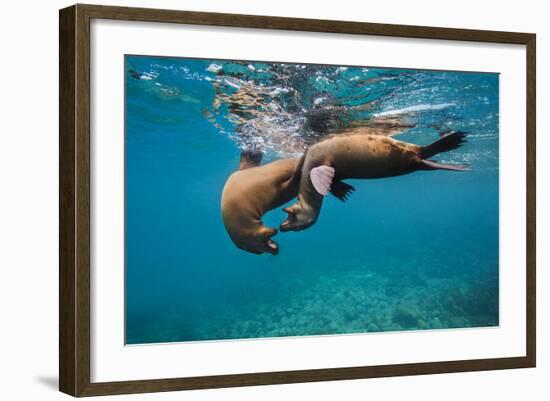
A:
x: 292, y: 223
x: 285, y: 226
x: 288, y: 226
x: 271, y: 247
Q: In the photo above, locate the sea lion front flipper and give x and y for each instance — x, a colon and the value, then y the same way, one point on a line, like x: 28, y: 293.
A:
x: 433, y: 165
x: 341, y: 190
x: 321, y: 178
x: 250, y: 158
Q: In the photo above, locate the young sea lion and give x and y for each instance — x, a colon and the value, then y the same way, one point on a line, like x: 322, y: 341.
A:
x: 359, y: 154
x: 251, y: 192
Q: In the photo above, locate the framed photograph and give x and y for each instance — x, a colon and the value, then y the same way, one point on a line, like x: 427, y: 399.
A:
x: 250, y: 200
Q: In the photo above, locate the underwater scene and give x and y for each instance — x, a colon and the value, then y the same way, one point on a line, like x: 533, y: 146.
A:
x: 389, y: 181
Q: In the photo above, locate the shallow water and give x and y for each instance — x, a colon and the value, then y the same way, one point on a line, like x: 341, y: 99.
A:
x: 418, y: 251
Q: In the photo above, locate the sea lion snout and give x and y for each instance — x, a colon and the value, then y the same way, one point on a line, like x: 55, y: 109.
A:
x: 272, y: 247
x: 289, y: 223
x: 298, y: 218
x: 258, y: 244
x: 268, y: 245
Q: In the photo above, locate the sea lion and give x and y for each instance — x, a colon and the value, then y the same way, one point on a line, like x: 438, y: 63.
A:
x: 251, y: 192
x: 359, y: 154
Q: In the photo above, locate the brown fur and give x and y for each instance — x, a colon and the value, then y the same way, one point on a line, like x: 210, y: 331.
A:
x: 249, y: 194
x: 359, y: 153
x: 363, y: 153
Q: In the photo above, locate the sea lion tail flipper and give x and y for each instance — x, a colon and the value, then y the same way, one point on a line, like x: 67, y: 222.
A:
x: 433, y: 165
x: 341, y: 190
x: 250, y: 158
x: 449, y: 141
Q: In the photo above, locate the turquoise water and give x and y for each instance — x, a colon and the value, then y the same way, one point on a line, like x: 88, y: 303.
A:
x: 413, y: 252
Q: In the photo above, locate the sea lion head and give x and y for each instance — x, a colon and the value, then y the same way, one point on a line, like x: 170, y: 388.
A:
x: 300, y: 216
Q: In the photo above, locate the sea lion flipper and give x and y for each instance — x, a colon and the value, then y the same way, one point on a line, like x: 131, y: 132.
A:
x: 341, y: 190
x: 321, y: 178
x: 448, y: 141
x: 433, y: 165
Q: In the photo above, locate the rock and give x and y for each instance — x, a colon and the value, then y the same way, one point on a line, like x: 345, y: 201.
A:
x: 407, y: 314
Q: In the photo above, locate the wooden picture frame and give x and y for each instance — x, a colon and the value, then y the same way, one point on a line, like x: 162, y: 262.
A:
x: 74, y: 204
